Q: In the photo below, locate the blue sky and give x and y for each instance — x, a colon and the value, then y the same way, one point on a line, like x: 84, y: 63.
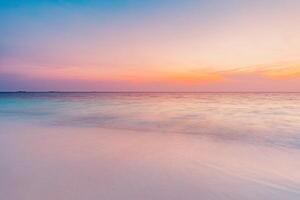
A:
x: 213, y: 45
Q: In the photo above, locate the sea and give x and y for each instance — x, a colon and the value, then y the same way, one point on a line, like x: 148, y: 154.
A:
x: 149, y: 146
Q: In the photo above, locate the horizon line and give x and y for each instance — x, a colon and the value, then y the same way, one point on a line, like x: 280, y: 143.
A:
x: 131, y: 91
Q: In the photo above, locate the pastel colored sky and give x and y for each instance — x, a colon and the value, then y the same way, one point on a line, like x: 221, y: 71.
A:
x: 150, y: 45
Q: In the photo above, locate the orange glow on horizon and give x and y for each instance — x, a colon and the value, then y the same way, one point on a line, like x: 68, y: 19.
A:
x: 285, y: 73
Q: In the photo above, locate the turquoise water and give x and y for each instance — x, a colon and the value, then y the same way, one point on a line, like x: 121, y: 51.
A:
x: 150, y: 145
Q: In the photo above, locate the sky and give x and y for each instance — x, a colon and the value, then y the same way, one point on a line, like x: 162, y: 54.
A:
x: 150, y: 45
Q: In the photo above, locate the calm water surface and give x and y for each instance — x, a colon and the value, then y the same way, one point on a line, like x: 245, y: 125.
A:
x: 149, y: 146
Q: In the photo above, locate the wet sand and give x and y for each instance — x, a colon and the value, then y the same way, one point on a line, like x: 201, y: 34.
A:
x: 66, y: 163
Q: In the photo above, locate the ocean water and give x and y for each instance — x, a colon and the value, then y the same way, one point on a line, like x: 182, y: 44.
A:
x: 149, y: 146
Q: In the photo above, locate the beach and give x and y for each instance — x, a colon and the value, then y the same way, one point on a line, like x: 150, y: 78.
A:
x: 47, y: 154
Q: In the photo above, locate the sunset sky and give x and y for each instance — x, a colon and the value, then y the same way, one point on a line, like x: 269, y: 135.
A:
x: 150, y: 45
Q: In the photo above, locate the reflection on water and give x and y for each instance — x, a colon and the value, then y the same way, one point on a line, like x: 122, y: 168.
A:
x: 149, y: 146
x: 271, y: 118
